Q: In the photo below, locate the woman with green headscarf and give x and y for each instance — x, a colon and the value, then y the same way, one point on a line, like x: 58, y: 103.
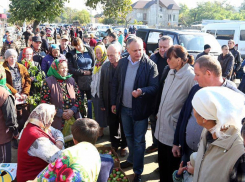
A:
x: 101, y: 58
x: 61, y: 90
x: 8, y: 120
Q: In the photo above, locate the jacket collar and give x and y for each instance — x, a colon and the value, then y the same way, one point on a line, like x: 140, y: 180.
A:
x: 227, y: 143
x: 179, y: 74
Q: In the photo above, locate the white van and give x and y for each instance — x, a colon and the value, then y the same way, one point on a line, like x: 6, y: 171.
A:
x: 223, y: 32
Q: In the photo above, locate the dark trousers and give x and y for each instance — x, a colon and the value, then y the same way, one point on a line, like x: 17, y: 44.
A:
x: 26, y: 41
x: 153, y: 121
x: 117, y: 135
x: 167, y: 162
x: 186, y: 156
x: 5, y: 153
x: 23, y: 112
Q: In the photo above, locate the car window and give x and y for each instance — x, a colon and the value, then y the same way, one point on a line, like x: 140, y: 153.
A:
x: 141, y: 34
x: 225, y: 34
x: 212, y: 32
x: 196, y: 42
x: 153, y: 37
x: 174, y: 37
x: 242, y: 35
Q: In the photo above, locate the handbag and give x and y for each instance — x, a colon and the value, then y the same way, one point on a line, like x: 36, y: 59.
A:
x: 84, y: 82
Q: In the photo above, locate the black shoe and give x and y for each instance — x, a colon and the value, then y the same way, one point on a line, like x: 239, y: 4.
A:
x: 137, y: 177
x: 14, y: 143
x: 126, y: 164
x: 151, y: 149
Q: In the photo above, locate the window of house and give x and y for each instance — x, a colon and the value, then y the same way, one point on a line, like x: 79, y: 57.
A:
x: 225, y: 34
x: 160, y: 9
x: 160, y: 16
x: 144, y: 16
x: 169, y: 18
x: 174, y: 18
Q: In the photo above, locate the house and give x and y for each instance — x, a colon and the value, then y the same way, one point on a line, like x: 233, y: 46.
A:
x: 146, y: 11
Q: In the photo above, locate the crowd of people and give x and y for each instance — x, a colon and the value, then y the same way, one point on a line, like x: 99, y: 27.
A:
x: 195, y: 110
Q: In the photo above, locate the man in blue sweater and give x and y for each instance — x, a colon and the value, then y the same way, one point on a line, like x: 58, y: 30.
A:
x: 187, y: 134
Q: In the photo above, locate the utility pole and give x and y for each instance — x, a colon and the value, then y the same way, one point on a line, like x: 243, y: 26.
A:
x: 157, y: 16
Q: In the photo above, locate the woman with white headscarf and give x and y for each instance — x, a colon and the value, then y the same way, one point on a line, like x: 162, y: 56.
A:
x: 220, y: 156
x: 40, y: 143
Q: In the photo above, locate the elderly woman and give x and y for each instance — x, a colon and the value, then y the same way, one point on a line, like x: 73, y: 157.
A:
x: 101, y: 58
x: 177, y: 86
x: 220, y: 156
x: 61, y: 90
x: 8, y: 120
x: 9, y: 44
x: 40, y: 144
x: 19, y: 82
x: 54, y: 53
x: 81, y: 63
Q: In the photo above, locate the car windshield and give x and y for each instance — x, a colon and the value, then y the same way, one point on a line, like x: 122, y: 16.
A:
x: 196, y: 42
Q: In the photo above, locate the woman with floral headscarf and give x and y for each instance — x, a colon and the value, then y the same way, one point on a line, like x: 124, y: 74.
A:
x: 39, y: 144
x: 61, y: 90
x: 101, y: 57
x: 8, y: 120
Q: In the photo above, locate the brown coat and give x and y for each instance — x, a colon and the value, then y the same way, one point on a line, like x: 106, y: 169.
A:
x: 215, y: 163
x: 5, y: 137
x: 7, y: 46
x: 26, y: 80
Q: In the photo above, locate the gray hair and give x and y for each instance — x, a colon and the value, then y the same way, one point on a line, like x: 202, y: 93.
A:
x: 115, y: 46
x: 134, y: 39
x: 207, y: 62
x: 166, y: 37
x: 10, y: 52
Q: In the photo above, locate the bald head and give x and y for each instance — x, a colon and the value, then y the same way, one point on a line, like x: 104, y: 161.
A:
x: 113, y: 53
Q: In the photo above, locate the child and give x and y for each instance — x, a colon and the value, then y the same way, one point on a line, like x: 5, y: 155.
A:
x: 185, y: 174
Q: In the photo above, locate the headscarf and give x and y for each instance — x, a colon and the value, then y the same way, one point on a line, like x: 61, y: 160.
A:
x: 99, y: 63
x: 23, y: 60
x: 3, y: 78
x: 54, y: 68
x: 222, y: 105
x: 42, y: 116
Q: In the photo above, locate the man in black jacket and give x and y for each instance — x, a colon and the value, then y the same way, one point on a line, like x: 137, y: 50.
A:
x: 134, y: 84
x: 237, y: 57
x: 160, y: 58
x: 26, y: 35
x: 108, y: 69
x: 44, y: 45
x: 187, y: 134
x: 64, y: 45
x: 206, y: 51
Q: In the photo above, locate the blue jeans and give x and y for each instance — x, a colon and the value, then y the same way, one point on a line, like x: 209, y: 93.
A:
x: 135, y: 135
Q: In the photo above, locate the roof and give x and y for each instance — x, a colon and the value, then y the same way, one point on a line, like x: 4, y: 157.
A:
x: 169, y: 4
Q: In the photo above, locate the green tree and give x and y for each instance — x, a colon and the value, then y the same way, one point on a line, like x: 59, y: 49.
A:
x: 35, y: 10
x: 83, y: 16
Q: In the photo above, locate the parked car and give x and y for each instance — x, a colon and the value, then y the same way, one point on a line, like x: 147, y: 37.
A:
x: 223, y: 32
x: 100, y: 34
x: 193, y: 41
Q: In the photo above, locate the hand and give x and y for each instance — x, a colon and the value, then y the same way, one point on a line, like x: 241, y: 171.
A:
x: 137, y: 93
x: 23, y: 96
x: 113, y: 109
x: 17, y: 136
x: 87, y: 72
x: 17, y: 96
x: 176, y: 151
x: 102, y: 109
x: 190, y: 168
x: 68, y: 114
x: 59, y: 144
x: 181, y: 169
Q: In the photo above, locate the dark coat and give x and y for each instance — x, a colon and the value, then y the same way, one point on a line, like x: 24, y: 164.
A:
x: 237, y: 59
x: 146, y: 79
x: 72, y: 62
x: 69, y: 49
x: 227, y: 64
x: 201, y: 54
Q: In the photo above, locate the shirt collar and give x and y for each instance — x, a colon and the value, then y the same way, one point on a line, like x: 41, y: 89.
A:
x: 130, y: 60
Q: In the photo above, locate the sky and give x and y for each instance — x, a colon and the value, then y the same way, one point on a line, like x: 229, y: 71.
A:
x: 81, y: 3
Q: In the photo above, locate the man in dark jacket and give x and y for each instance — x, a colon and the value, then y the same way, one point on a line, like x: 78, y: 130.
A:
x: 64, y: 45
x: 26, y: 35
x: 226, y: 60
x: 44, y: 45
x: 72, y: 34
x: 206, y: 51
x: 237, y: 58
x: 134, y: 84
x: 160, y: 58
x: 187, y: 134
x: 107, y: 73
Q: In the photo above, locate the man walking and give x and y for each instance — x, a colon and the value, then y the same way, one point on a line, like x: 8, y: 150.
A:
x: 134, y: 84
x: 237, y: 58
x: 160, y: 58
x: 107, y: 72
x: 206, y: 51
